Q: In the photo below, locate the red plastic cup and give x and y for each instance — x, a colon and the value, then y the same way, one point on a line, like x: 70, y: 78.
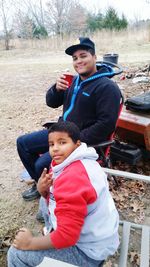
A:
x: 69, y: 78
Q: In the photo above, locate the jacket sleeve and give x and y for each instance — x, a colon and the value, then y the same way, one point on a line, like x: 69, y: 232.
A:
x: 54, y: 99
x: 72, y: 195
x: 107, y: 105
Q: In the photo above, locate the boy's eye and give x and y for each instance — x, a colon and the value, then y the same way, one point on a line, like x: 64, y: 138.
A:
x: 62, y: 142
x: 50, y: 144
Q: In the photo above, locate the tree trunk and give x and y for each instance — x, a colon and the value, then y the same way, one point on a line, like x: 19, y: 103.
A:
x: 6, y: 42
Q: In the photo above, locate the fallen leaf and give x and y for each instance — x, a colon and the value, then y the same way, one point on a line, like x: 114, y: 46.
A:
x: 108, y: 264
x: 134, y: 258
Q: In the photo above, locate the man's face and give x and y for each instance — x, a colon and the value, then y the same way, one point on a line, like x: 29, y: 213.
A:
x: 61, y: 146
x: 84, y: 63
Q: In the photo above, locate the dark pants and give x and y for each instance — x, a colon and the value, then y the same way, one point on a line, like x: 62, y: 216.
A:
x: 33, y: 151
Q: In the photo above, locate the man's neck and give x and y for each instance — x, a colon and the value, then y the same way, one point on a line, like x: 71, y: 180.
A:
x: 86, y: 76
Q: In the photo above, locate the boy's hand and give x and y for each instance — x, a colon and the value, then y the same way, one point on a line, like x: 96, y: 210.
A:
x: 23, y: 239
x: 44, y: 183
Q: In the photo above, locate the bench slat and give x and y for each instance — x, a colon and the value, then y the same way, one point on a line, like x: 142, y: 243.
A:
x: 145, y: 248
x: 128, y: 175
x: 124, y: 244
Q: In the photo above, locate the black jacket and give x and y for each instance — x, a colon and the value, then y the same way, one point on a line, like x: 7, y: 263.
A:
x: 92, y: 104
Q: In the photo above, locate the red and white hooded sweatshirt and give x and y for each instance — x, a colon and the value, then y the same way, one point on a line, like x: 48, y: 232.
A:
x: 82, y: 211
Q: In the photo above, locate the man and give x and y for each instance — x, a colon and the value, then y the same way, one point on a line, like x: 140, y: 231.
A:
x: 92, y: 102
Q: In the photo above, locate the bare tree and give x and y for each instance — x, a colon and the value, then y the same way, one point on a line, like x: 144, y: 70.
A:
x: 65, y: 16
x: 31, y: 8
x: 57, y: 14
x: 29, y: 18
x: 6, y: 18
x: 35, y: 9
x: 77, y: 19
x: 23, y: 25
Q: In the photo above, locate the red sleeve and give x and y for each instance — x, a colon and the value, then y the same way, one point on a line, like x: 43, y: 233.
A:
x: 73, y: 192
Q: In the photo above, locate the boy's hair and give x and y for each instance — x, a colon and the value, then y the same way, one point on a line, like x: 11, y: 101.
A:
x: 68, y: 127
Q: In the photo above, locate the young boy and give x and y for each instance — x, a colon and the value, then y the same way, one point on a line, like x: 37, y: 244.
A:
x: 83, y: 220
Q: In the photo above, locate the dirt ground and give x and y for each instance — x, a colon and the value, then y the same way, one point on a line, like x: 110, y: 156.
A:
x: 25, y: 78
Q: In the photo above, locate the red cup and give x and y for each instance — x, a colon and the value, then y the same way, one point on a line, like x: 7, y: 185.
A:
x: 69, y: 78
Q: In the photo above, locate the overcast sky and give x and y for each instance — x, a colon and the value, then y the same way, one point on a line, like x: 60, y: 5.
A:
x: 132, y: 9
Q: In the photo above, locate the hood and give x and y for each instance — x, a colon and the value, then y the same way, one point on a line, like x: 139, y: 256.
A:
x: 80, y: 153
x: 105, y: 69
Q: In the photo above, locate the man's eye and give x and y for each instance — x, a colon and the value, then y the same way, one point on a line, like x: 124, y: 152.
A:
x: 51, y: 144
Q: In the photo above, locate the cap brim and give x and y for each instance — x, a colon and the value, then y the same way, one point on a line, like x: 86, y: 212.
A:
x: 70, y: 50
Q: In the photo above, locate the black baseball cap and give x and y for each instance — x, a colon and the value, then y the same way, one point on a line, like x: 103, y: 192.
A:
x: 81, y: 43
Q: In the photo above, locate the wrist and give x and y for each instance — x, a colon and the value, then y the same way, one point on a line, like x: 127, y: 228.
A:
x: 41, y: 243
x: 32, y: 244
x: 56, y: 89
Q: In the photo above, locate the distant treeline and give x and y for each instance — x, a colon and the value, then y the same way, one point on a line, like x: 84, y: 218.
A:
x: 29, y: 19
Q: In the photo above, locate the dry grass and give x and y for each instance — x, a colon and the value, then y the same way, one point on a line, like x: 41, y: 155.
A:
x: 131, y: 45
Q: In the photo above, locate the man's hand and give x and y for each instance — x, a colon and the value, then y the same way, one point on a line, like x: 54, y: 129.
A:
x: 44, y: 183
x: 61, y: 83
x: 23, y: 239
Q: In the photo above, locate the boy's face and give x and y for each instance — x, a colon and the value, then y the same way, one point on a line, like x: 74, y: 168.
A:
x: 61, y: 146
x: 84, y: 63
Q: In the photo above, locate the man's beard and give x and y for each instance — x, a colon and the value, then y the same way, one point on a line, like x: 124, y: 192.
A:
x: 85, y: 74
